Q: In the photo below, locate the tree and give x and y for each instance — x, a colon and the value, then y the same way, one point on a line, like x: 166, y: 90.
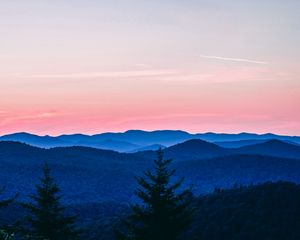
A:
x: 47, y: 218
x: 4, y: 203
x: 6, y: 232
x: 4, y: 235
x: 164, y: 213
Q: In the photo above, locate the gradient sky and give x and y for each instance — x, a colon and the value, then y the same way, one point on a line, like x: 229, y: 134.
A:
x: 198, y: 65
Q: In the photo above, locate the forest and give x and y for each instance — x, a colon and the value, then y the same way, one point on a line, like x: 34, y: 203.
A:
x: 164, y: 208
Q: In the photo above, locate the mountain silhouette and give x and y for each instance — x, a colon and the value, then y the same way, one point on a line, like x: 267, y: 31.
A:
x: 239, y: 143
x: 34, y: 140
x: 272, y: 148
x: 88, y: 174
x: 195, y: 149
x: 133, y: 139
x: 153, y: 147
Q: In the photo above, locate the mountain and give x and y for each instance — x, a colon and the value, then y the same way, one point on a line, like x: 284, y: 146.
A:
x: 240, y: 143
x: 225, y: 137
x: 245, y: 169
x: 69, y: 140
x: 188, y: 150
x: 272, y: 148
x: 122, y: 142
x: 195, y: 149
x: 120, y: 146
x: 94, y: 175
x: 153, y: 147
x: 34, y: 140
x: 133, y: 139
x: 138, y: 137
x: 144, y: 138
x: 84, y: 173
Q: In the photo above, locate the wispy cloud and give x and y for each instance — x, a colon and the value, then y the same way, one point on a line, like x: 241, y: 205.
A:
x: 113, y: 74
x: 34, y: 116
x: 142, y: 65
x: 45, y: 115
x: 139, y: 119
x: 234, y: 59
x: 7, y: 120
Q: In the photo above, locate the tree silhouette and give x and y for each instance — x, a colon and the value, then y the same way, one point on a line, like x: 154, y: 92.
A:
x: 4, y: 235
x: 47, y: 218
x: 164, y: 213
x: 7, y: 231
x: 5, y: 202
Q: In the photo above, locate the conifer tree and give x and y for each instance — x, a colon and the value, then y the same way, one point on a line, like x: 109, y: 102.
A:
x: 47, y: 218
x: 6, y: 232
x: 164, y: 213
x: 4, y: 235
x: 5, y: 202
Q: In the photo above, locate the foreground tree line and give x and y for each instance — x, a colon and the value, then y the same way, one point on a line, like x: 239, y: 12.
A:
x: 163, y: 214
x: 166, y: 212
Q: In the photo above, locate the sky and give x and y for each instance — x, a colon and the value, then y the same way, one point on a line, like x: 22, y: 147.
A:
x: 93, y: 66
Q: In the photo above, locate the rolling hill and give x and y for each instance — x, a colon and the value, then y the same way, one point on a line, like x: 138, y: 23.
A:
x: 238, y: 144
x: 91, y: 175
x: 136, y: 139
x: 260, y: 212
x: 272, y: 148
x: 195, y: 149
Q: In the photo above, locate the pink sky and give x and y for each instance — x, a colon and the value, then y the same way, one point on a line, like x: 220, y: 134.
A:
x: 93, y: 68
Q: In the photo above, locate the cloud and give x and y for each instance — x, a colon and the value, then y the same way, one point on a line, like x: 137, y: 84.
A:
x: 167, y: 117
x: 34, y: 116
x: 45, y: 115
x: 188, y: 77
x: 234, y: 59
x: 142, y: 65
x: 112, y: 74
x: 7, y: 120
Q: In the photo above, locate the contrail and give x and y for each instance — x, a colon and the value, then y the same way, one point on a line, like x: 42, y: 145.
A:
x: 233, y: 59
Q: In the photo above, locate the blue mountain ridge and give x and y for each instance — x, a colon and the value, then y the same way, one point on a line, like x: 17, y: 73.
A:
x: 133, y: 140
x: 88, y: 174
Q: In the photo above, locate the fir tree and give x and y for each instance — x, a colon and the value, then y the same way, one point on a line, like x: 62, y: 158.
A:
x: 47, y: 218
x: 5, y: 202
x: 4, y: 235
x: 164, y: 213
x: 7, y: 231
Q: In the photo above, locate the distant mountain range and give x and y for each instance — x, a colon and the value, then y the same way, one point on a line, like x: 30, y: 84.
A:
x: 199, y: 149
x: 137, y: 140
x: 271, y: 148
x: 91, y: 175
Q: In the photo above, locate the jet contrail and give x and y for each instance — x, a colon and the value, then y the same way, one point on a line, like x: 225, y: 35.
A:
x: 233, y: 59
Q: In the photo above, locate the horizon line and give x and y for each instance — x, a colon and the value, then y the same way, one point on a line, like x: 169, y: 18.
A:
x: 147, y: 131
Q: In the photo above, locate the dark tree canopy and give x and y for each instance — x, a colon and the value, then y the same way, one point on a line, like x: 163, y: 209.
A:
x: 5, y: 202
x: 164, y: 213
x: 6, y: 231
x: 270, y: 211
x: 47, y: 219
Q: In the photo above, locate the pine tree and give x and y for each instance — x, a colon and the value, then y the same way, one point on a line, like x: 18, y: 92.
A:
x: 164, y: 213
x: 47, y: 218
x: 7, y: 231
x: 4, y: 235
x: 5, y: 202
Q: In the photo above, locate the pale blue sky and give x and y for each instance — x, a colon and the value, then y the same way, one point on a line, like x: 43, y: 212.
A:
x: 155, y: 32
